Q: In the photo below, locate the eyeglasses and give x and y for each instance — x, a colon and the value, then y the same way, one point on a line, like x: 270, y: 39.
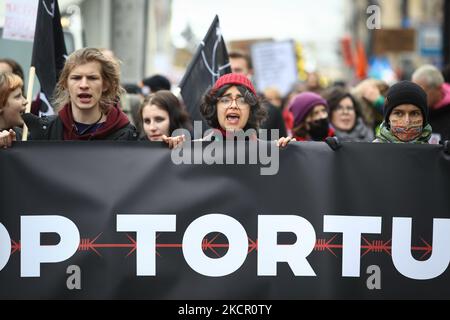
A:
x: 226, y: 102
x: 343, y: 109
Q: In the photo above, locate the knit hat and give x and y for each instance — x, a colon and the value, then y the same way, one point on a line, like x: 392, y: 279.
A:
x: 303, y: 103
x: 156, y: 83
x: 406, y: 92
x: 236, y: 79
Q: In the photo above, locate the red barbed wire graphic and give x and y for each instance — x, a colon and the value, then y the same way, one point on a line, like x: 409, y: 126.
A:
x: 322, y: 245
x: 15, y: 246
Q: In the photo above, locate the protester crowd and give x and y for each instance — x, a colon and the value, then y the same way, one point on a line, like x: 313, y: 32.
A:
x: 90, y: 103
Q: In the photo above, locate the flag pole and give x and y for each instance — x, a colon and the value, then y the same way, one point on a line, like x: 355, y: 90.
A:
x: 31, y: 76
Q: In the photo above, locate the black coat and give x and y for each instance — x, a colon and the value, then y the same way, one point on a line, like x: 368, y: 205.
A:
x: 51, y: 128
x: 274, y: 121
x: 440, y: 122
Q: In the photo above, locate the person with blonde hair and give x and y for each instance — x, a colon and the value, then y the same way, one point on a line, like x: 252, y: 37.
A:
x: 370, y: 95
x: 86, y: 96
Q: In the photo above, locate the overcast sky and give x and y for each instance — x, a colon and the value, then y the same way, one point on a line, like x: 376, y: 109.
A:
x: 307, y: 20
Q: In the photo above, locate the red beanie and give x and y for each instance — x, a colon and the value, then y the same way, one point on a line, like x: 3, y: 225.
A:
x: 234, y: 78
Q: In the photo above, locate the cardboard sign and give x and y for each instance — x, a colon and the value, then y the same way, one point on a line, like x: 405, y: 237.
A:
x: 394, y: 40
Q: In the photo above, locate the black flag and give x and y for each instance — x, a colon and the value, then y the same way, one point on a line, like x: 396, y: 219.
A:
x: 209, y: 63
x: 49, y: 49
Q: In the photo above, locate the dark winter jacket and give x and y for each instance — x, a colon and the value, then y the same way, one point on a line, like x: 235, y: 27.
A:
x: 440, y: 122
x: 62, y: 127
x: 439, y: 116
x: 274, y: 121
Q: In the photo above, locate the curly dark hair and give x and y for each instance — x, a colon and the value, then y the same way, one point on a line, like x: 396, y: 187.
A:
x: 208, y: 108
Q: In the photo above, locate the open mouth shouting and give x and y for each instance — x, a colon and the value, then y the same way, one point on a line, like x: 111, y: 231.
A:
x: 85, y: 98
x: 232, y: 118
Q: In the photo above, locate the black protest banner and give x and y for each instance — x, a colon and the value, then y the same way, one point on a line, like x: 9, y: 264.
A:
x: 49, y: 49
x: 210, y: 61
x: 368, y: 221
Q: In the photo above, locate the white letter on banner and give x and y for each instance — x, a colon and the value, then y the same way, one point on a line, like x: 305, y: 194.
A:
x: 5, y: 246
x: 269, y: 252
x: 146, y: 227
x: 405, y: 263
x: 351, y: 229
x: 237, y: 249
x: 33, y: 254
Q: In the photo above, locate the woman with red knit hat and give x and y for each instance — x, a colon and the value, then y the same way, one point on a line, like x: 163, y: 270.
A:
x: 310, y: 113
x: 231, y: 106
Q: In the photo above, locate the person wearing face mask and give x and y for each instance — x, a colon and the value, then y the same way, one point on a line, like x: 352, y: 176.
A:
x: 310, y: 113
x: 405, y: 115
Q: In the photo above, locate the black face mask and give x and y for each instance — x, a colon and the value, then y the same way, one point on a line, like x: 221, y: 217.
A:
x: 319, y: 129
